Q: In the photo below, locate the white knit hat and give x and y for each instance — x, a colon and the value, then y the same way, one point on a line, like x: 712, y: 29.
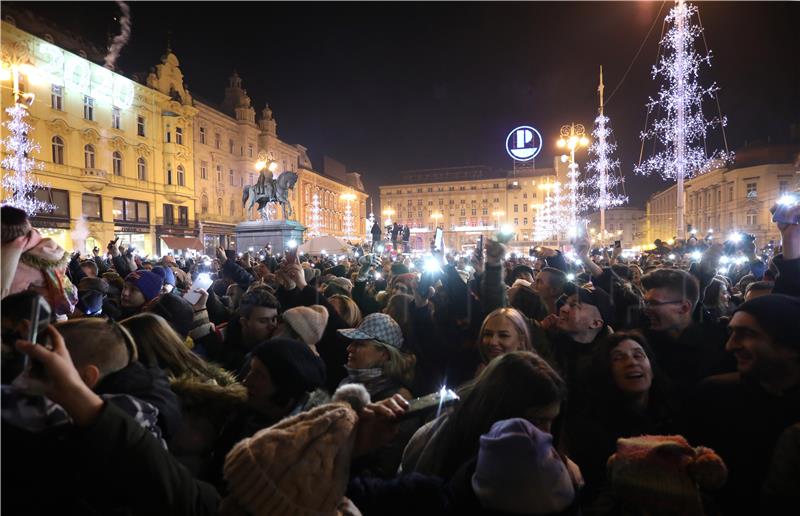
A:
x: 308, y: 322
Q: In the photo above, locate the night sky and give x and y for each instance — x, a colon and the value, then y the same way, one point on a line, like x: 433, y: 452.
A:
x: 384, y: 87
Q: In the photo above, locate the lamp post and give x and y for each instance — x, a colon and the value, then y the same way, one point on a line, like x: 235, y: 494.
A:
x: 348, y: 198
x: 573, y: 137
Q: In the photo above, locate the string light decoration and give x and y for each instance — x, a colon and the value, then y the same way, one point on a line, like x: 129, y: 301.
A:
x: 20, y: 182
x: 348, y: 214
x: 682, y: 130
x: 316, y: 219
x: 603, y: 183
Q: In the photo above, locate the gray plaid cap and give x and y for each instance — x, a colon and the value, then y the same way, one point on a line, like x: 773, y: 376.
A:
x: 380, y: 327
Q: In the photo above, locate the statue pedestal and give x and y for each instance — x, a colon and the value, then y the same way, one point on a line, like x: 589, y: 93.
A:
x: 258, y: 233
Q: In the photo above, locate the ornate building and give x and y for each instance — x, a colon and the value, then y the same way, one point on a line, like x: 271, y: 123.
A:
x: 731, y: 199
x: 109, y: 146
x: 468, y: 202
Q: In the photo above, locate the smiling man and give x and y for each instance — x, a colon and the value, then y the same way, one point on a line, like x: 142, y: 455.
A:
x: 687, y: 351
x: 741, y: 415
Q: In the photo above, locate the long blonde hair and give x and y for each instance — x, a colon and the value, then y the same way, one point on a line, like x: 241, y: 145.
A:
x: 399, y: 366
x: 347, y: 309
x: 160, y: 346
x: 519, y: 322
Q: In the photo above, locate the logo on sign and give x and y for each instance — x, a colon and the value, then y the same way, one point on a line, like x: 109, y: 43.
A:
x: 524, y: 143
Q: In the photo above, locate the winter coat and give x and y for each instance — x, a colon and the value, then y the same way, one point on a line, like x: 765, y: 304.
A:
x: 738, y: 419
x: 148, y: 384
x: 205, y: 406
x: 112, y: 466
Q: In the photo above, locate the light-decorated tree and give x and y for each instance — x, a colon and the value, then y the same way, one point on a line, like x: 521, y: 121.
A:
x: 603, y: 181
x: 682, y: 129
x: 19, y: 183
x: 316, y: 220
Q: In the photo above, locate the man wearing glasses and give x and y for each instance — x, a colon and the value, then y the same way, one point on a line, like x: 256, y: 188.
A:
x: 687, y: 351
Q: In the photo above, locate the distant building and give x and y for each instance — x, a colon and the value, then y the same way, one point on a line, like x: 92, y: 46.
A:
x: 468, y: 202
x: 622, y: 223
x: 735, y: 199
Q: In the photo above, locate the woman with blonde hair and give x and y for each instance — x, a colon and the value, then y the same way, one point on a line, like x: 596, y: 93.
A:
x: 503, y: 330
x: 160, y: 346
x: 347, y: 309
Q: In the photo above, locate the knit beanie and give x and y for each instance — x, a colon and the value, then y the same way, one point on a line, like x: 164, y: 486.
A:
x: 177, y: 311
x: 307, y: 321
x: 519, y: 471
x: 166, y: 274
x: 339, y: 271
x: 342, y: 284
x: 297, y: 467
x: 777, y: 314
x: 661, y: 474
x: 399, y: 268
x: 14, y: 223
x: 293, y: 367
x: 147, y: 282
x: 96, y: 284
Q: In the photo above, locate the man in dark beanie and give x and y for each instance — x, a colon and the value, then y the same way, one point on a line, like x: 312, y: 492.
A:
x: 741, y: 415
x: 283, y: 374
x: 92, y: 294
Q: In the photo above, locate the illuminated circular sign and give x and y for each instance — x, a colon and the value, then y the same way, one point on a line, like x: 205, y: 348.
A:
x: 524, y: 143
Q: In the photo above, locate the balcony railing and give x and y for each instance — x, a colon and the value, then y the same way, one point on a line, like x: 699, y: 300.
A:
x: 161, y: 221
x: 95, y: 173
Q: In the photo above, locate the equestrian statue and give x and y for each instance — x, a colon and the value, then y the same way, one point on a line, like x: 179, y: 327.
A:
x: 267, y: 190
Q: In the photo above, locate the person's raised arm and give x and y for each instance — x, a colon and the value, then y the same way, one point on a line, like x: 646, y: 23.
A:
x: 788, y: 263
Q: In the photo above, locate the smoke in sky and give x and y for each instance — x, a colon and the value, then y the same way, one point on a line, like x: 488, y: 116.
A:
x: 121, y: 39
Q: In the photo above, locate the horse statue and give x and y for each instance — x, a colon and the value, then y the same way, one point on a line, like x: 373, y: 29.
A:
x: 268, y: 190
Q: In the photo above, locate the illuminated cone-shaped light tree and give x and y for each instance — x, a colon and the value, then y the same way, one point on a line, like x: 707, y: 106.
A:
x: 316, y: 220
x: 603, y: 182
x: 681, y: 132
x: 573, y: 137
x: 19, y: 181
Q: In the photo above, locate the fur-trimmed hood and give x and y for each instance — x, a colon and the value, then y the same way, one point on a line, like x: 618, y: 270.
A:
x: 209, y: 397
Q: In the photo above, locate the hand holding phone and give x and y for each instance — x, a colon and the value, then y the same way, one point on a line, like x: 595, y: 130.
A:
x: 479, y: 247
x: 434, y: 402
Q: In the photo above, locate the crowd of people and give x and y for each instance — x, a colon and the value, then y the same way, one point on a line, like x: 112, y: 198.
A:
x: 588, y: 382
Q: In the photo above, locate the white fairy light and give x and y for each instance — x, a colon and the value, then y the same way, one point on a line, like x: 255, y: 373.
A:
x: 20, y: 181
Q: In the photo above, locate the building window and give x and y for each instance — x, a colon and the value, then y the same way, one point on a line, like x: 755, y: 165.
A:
x: 231, y: 178
x: 128, y: 210
x: 525, y: 221
x: 169, y: 136
x: 719, y: 196
x: 525, y: 208
x: 217, y: 140
x: 752, y: 190
x: 232, y: 208
x: 219, y: 205
x: 485, y: 211
x: 730, y: 194
x: 169, y: 214
x: 181, y: 176
x: 116, y: 163
x: 141, y: 169
x: 252, y: 177
x: 525, y: 195
x: 516, y: 222
x: 783, y: 187
x: 230, y: 146
x: 219, y: 173
x: 91, y: 206
x: 474, y: 212
x: 203, y: 170
x: 752, y: 218
x: 88, y: 156
x: 58, y: 198
x: 183, y: 215
x: 139, y: 125
x: 116, y: 118
x: 250, y: 150
x: 204, y: 204
x: 179, y: 135
x: 57, y: 97
x: 169, y: 176
x: 58, y: 150
x: 88, y: 107
x: 203, y: 135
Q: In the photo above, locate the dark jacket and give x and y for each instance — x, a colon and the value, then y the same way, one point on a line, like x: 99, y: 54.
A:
x: 113, y: 466
x: 149, y: 384
x: 738, y: 419
x: 788, y: 280
x: 699, y: 352
x: 237, y: 273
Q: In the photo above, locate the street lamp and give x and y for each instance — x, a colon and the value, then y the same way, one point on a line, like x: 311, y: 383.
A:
x: 573, y: 137
x: 436, y: 216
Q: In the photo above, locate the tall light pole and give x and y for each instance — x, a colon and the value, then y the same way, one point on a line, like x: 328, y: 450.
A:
x: 573, y: 137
